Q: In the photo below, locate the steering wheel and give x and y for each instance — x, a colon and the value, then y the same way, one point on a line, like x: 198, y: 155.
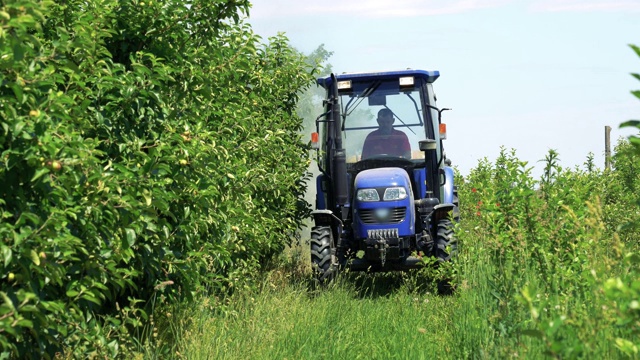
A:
x: 380, y: 160
x: 387, y: 157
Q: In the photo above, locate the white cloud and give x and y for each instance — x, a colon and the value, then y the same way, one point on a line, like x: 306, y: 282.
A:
x: 368, y: 8
x: 585, y: 5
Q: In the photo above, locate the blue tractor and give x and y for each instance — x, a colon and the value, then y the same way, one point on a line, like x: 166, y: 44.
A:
x: 385, y: 196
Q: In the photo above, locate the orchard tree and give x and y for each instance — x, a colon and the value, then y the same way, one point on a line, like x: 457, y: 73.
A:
x: 149, y: 150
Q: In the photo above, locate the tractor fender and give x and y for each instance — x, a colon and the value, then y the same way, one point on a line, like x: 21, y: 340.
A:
x: 326, y: 218
x: 448, y: 185
x: 441, y: 211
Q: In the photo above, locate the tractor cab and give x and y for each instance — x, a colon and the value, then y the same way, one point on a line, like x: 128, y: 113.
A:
x: 391, y: 118
x: 385, y: 191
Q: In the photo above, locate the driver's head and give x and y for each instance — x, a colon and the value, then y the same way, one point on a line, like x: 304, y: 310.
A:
x: 385, y: 120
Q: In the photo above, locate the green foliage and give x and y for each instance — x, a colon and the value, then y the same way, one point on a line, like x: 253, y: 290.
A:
x: 366, y: 317
x: 628, y: 164
x: 149, y: 150
x: 542, y: 261
x: 546, y: 267
x: 310, y: 103
x: 635, y: 140
x: 623, y: 291
x: 550, y: 266
x: 543, y: 270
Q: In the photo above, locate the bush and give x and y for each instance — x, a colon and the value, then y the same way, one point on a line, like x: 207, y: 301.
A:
x: 543, y: 262
x: 149, y: 150
x: 549, y: 267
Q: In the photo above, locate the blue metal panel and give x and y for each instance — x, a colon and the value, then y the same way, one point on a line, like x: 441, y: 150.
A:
x: 420, y: 178
x: 388, y: 176
x: 383, y: 178
x: 321, y: 196
x: 429, y: 76
x: 448, y: 186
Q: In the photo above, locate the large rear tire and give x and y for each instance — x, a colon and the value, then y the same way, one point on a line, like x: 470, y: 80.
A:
x: 322, y: 262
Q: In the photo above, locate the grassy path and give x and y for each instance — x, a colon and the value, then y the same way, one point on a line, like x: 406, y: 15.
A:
x: 386, y: 319
x: 544, y: 270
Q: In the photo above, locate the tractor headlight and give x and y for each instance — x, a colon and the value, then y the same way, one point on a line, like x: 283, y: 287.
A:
x: 368, y: 195
x: 395, y: 193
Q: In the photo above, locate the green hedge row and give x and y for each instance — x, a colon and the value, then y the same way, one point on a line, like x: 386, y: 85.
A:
x: 147, y: 148
x: 549, y: 267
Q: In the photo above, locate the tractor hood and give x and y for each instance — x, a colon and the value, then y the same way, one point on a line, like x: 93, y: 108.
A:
x: 382, y: 177
x: 395, y: 215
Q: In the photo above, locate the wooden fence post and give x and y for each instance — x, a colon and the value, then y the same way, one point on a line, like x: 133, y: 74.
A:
x: 607, y: 147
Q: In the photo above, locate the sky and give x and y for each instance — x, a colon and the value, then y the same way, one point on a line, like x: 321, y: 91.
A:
x: 529, y: 75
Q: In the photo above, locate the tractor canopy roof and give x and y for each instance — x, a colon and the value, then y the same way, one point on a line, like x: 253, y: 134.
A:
x: 429, y: 76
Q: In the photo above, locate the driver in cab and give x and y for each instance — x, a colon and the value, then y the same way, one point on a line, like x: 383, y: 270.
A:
x: 386, y: 140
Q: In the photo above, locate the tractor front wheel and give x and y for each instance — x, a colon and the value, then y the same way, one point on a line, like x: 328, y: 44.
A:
x: 321, y: 253
x: 456, y: 205
x: 445, y: 248
x: 446, y: 245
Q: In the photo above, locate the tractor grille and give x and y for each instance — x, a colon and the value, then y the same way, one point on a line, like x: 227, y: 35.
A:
x: 394, y: 216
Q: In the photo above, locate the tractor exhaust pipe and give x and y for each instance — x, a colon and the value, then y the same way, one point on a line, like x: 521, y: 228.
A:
x: 339, y: 155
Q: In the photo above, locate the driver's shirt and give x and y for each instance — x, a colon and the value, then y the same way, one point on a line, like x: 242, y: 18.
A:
x: 394, y: 144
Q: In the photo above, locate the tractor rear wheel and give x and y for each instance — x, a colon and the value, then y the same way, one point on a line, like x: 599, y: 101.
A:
x: 321, y: 253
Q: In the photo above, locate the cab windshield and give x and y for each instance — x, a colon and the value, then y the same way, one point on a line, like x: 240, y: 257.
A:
x: 382, y: 120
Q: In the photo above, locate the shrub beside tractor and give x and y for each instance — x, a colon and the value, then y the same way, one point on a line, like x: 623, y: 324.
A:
x: 385, y: 198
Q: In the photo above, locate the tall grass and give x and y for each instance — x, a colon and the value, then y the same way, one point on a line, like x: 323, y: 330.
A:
x: 537, y: 260
x: 373, y: 318
x: 546, y: 268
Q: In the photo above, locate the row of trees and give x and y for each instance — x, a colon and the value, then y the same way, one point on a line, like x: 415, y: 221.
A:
x: 149, y: 150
